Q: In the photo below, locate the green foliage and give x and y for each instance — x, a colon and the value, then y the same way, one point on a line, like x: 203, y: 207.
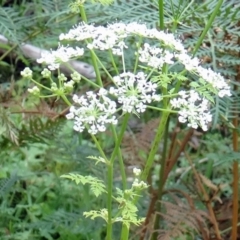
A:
x: 96, y: 185
x: 35, y: 204
x: 6, y: 184
x: 129, y: 211
x: 8, y: 128
x: 99, y: 159
x: 40, y: 130
x: 94, y: 214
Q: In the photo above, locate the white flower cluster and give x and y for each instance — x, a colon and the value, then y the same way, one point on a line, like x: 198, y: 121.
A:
x: 137, y: 171
x: 139, y: 184
x: 216, y: 80
x: 134, y: 91
x: 46, y: 73
x: 113, y: 35
x: 94, y: 112
x: 62, y: 55
x: 193, y: 109
x: 155, y: 57
x: 27, y: 72
x: 34, y: 90
x: 207, y: 74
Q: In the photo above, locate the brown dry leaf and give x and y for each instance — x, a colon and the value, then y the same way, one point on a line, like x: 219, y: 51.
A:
x: 208, y: 183
x: 179, y: 219
x: 135, y: 145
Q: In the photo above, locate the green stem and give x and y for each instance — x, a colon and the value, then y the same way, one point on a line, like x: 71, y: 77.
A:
x: 94, y: 61
x: 155, y: 145
x: 113, y: 62
x: 161, y: 182
x: 83, y: 13
x: 90, y: 82
x: 118, y: 140
x: 207, y: 27
x: 161, y: 17
x: 103, y: 67
x: 125, y: 232
x: 98, y: 146
x: 122, y: 170
x: 162, y: 109
x: 137, y: 56
x: 109, y: 200
x: 95, y: 66
x: 66, y: 100
x: 40, y: 85
x: 82, y: 77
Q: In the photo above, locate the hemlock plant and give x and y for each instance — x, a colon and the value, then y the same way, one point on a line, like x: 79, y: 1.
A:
x: 163, y: 77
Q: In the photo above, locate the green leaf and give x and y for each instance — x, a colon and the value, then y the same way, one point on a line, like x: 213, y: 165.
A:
x: 96, y: 185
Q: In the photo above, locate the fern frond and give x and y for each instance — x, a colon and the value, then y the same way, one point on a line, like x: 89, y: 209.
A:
x: 9, y: 129
x: 180, y: 220
x: 58, y: 218
x: 6, y: 184
x: 8, y: 19
x: 38, y: 130
x: 134, y: 143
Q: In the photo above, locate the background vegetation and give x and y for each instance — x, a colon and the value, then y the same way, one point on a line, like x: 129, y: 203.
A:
x: 37, y: 144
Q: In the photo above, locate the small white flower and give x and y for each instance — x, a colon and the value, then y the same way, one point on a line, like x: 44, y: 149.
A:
x: 46, y: 73
x: 54, y: 87
x: 192, y: 109
x: 93, y: 111
x: 155, y: 57
x: 135, y: 183
x: 76, y: 77
x: 27, y: 72
x: 139, y: 185
x: 189, y: 63
x: 68, y: 86
x: 137, y: 29
x: 62, y: 77
x: 143, y: 185
x: 34, y: 90
x: 216, y: 80
x: 62, y: 55
x: 134, y: 91
x: 137, y: 171
x: 70, y: 115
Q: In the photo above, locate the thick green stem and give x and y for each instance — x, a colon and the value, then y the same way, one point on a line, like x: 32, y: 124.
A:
x: 125, y: 232
x: 109, y: 201
x: 160, y: 12
x: 207, y: 27
x: 155, y: 145
x: 122, y: 170
x: 161, y: 182
x: 83, y: 13
x: 66, y: 100
x: 118, y: 140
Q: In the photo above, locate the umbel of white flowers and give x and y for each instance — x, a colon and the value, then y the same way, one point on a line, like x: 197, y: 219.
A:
x: 134, y: 91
